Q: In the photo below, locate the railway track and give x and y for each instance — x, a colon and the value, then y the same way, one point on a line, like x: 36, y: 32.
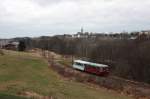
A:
x: 138, y: 90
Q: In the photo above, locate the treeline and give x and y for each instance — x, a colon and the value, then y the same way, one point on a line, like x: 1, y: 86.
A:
x: 128, y: 58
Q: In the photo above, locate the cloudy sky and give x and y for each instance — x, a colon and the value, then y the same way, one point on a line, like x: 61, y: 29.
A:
x: 50, y: 17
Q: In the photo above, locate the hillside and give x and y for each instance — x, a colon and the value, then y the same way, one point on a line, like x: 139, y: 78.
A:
x: 26, y: 74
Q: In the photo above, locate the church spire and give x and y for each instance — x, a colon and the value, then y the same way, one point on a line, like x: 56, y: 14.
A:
x: 82, y: 30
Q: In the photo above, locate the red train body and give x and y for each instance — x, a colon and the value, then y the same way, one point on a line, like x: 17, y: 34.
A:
x: 94, y: 68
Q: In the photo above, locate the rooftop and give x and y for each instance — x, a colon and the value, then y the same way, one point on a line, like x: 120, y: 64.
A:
x: 90, y: 63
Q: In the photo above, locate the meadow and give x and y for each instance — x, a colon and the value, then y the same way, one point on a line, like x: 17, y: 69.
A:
x: 22, y: 73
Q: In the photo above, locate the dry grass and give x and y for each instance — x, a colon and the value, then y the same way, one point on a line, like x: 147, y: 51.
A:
x: 23, y: 72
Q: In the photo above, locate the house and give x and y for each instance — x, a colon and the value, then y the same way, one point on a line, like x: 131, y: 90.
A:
x: 11, y: 46
x: 3, y: 42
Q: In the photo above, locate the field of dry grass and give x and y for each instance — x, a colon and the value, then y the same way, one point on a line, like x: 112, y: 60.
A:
x: 26, y: 74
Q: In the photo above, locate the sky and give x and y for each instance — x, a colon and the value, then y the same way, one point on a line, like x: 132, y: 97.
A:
x: 33, y: 18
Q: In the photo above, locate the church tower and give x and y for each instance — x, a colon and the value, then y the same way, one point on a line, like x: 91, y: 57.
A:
x: 82, y: 30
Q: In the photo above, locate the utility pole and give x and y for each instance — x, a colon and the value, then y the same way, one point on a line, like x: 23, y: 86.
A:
x: 72, y: 50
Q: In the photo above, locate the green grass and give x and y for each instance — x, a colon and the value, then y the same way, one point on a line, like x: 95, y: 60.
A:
x: 8, y: 96
x: 24, y: 72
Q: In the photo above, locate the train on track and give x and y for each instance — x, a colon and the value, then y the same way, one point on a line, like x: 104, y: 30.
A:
x: 94, y: 68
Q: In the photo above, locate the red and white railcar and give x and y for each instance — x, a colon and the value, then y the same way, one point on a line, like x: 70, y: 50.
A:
x: 95, y: 68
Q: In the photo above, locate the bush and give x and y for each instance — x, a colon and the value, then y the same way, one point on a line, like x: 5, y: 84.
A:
x: 21, y: 46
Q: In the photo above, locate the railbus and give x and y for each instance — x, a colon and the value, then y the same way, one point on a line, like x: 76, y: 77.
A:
x: 90, y: 67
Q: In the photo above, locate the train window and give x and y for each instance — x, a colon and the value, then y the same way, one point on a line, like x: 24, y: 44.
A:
x: 79, y: 64
x: 100, y: 69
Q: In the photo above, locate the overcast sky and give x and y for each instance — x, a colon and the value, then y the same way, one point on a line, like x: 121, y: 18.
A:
x: 50, y: 17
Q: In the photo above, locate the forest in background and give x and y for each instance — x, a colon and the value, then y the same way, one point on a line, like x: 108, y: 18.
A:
x: 127, y: 58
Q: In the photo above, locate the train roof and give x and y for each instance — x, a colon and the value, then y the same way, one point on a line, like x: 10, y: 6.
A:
x: 90, y: 63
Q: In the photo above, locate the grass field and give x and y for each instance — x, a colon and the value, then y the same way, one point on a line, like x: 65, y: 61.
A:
x: 24, y: 72
x: 8, y: 96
